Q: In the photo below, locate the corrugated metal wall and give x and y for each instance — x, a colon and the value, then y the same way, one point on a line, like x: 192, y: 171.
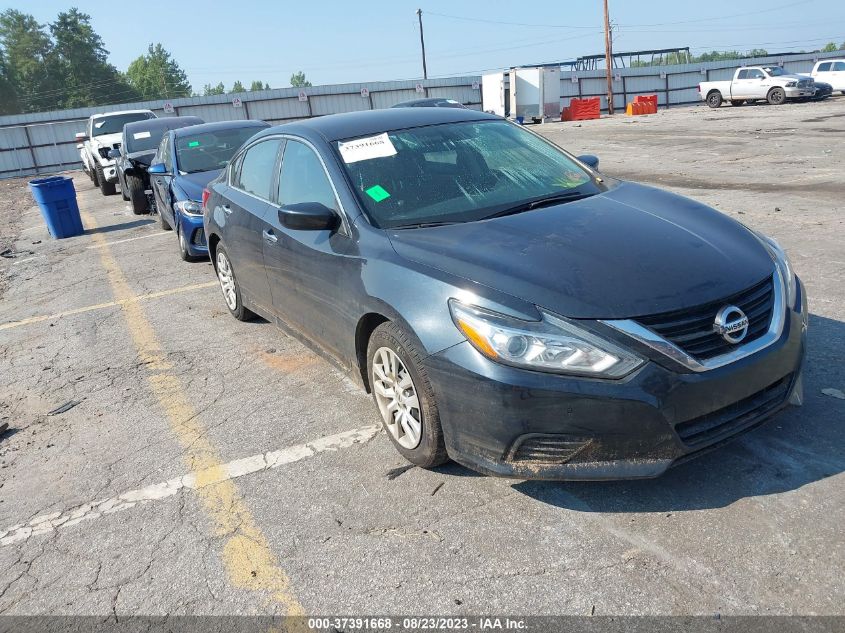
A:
x: 44, y: 142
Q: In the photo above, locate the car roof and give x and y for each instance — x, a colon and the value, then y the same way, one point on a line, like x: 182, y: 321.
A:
x: 220, y: 125
x: 119, y: 112
x: 335, y: 127
x: 431, y: 101
x: 167, y: 123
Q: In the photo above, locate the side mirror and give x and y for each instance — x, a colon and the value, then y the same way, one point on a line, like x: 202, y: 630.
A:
x: 81, y: 137
x: 308, y: 216
x: 114, y: 153
x: 590, y: 160
x: 157, y: 169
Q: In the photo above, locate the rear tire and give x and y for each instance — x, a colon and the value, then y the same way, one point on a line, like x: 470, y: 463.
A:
x: 714, y: 99
x: 93, y: 176
x: 404, y: 397
x: 776, y: 96
x: 229, y: 285
x: 122, y: 188
x: 737, y: 102
x: 106, y: 188
x: 135, y: 191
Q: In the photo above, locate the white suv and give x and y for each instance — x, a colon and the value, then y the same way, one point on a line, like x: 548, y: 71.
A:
x: 831, y: 71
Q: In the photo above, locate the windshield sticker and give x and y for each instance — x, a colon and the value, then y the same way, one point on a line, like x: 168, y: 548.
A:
x: 571, y: 179
x: 366, y: 148
x: 139, y: 135
x: 377, y: 193
x: 194, y: 144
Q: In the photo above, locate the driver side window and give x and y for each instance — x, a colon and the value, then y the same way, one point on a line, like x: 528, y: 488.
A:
x: 303, y: 178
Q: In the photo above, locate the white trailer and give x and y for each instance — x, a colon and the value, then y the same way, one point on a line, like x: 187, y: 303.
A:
x: 532, y: 93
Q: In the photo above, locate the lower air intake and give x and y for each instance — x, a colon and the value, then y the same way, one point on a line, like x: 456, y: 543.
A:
x: 546, y: 449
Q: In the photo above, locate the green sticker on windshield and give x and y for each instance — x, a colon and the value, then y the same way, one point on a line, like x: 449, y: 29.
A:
x: 377, y: 193
x: 194, y: 144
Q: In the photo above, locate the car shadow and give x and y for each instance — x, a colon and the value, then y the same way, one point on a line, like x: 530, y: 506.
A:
x: 800, y: 446
x: 111, y: 228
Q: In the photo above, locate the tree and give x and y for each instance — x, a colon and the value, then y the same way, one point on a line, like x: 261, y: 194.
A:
x: 208, y: 89
x: 80, y: 59
x: 257, y: 85
x: 830, y: 47
x: 8, y: 93
x: 297, y: 80
x: 27, y: 51
x: 238, y: 87
x: 156, y: 75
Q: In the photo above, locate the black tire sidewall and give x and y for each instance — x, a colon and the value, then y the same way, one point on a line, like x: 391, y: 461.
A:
x: 774, y: 91
x: 431, y: 450
x: 135, y: 191
x: 106, y: 188
x: 714, y: 100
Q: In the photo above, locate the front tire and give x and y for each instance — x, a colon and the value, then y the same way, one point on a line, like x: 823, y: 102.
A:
x: 135, y: 191
x: 183, y: 245
x: 776, y: 96
x: 106, y: 188
x: 404, y: 397
x: 229, y: 285
x: 714, y: 99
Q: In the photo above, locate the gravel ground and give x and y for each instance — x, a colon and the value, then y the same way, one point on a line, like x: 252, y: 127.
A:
x: 161, y: 383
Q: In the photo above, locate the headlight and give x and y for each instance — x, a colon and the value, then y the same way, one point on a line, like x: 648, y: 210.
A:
x: 551, y: 345
x: 189, y: 207
x: 791, y: 84
x: 784, y: 266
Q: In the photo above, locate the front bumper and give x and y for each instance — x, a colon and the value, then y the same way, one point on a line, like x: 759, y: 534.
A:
x: 191, y: 227
x: 798, y: 93
x: 509, y: 422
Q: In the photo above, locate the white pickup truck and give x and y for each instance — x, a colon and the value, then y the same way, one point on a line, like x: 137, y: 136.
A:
x: 755, y: 83
x: 102, y: 134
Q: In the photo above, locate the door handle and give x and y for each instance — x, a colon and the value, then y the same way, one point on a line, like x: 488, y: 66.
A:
x: 270, y: 237
x: 227, y: 209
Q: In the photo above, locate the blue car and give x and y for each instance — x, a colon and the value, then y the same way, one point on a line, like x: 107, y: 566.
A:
x: 186, y: 161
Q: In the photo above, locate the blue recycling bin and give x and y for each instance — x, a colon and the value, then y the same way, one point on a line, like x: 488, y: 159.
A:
x: 56, y: 198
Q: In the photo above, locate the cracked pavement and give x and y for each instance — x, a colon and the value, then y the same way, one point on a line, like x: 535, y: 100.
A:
x: 752, y: 528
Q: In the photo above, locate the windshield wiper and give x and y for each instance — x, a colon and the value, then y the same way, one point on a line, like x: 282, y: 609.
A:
x: 536, y: 203
x: 423, y: 225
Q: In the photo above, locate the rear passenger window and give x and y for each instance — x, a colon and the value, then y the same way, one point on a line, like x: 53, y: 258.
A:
x: 839, y: 66
x: 303, y: 178
x: 257, y: 169
x: 823, y: 68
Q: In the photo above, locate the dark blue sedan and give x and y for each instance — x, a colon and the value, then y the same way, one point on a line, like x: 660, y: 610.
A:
x: 186, y: 160
x: 507, y: 305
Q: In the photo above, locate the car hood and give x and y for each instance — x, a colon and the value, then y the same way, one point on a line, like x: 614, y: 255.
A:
x: 145, y: 157
x: 628, y: 252
x: 107, y: 140
x: 193, y: 184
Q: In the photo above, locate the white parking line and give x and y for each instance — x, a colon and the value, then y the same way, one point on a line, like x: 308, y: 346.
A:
x: 130, y: 239
x: 28, y: 259
x: 47, y: 523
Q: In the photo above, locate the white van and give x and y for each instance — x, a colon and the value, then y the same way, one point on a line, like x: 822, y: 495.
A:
x: 831, y: 71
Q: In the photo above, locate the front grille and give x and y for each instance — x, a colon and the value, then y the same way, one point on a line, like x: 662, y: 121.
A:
x: 735, y: 417
x: 547, y: 449
x: 693, y: 329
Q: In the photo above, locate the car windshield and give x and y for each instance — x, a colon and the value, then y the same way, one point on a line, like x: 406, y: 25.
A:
x: 208, y: 151
x: 114, y: 124
x: 774, y: 71
x: 139, y: 140
x: 458, y: 172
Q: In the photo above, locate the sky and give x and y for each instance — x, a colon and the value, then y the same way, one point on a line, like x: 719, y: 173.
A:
x: 335, y: 41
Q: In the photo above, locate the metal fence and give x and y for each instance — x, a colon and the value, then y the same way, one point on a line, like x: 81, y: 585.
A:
x: 44, y: 142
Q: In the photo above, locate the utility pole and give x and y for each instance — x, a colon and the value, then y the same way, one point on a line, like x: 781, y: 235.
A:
x: 422, y: 43
x: 608, y: 58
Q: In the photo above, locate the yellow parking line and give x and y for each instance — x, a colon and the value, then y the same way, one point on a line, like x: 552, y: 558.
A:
x: 249, y: 561
x: 108, y: 304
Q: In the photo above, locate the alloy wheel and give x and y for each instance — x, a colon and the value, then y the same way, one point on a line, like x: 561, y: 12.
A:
x: 397, y: 399
x: 227, y: 281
